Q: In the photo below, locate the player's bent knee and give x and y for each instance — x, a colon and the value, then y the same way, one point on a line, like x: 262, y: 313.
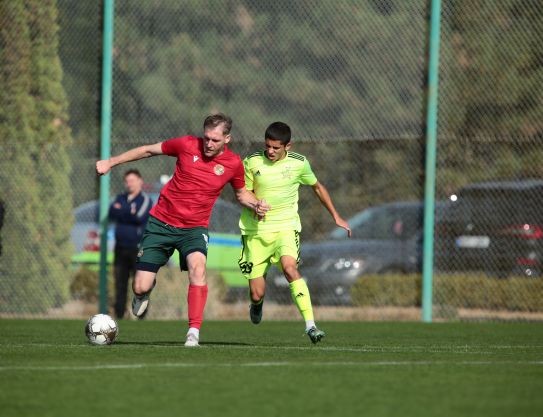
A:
x: 257, y: 294
x: 144, y: 281
x: 291, y: 273
x: 141, y: 288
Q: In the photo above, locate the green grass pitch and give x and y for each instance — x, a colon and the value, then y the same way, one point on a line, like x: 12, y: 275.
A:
x: 361, y: 369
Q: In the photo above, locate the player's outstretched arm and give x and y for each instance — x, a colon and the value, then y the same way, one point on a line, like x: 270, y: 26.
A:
x: 145, y: 151
x: 247, y: 199
x: 324, y: 197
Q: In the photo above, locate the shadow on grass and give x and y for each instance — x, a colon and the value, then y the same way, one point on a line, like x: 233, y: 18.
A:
x: 181, y: 343
x: 226, y: 344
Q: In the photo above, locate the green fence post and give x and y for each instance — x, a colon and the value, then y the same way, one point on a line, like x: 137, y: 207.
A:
x: 430, y: 169
x: 105, y: 144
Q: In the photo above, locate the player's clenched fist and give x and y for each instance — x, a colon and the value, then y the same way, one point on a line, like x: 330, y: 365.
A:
x: 103, y: 166
x: 261, y: 208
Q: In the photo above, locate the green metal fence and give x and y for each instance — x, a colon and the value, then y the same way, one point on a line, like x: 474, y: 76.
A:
x: 351, y: 79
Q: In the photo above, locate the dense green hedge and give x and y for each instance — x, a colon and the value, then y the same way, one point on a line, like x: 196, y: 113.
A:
x: 35, y: 168
x: 458, y: 290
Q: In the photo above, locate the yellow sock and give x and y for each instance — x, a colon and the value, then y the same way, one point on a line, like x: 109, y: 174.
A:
x: 300, y: 296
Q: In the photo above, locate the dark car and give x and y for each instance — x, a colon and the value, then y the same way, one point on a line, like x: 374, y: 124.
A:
x: 386, y: 239
x: 495, y: 227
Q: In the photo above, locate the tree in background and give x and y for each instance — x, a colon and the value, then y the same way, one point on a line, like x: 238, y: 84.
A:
x: 342, y: 74
x: 490, y: 102
x: 348, y: 76
x: 35, y: 167
x: 342, y: 70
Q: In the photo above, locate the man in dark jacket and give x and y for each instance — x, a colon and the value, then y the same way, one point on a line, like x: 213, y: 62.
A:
x: 130, y: 212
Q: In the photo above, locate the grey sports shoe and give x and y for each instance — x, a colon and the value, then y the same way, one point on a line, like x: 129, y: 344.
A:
x: 139, y: 305
x: 192, y: 340
x: 315, y: 334
x: 255, y: 312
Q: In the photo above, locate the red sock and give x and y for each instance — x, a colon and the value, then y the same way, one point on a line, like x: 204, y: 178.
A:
x: 196, y: 300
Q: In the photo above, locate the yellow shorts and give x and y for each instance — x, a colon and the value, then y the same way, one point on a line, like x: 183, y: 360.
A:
x: 259, y: 252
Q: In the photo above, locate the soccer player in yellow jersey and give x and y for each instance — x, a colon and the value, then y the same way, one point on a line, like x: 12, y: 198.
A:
x: 274, y: 176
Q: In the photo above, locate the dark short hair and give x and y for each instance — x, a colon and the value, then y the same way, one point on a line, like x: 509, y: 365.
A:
x: 215, y: 120
x: 278, y: 131
x: 132, y: 171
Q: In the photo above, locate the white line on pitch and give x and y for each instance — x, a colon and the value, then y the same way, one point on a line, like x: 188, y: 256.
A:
x: 363, y: 349
x: 259, y: 364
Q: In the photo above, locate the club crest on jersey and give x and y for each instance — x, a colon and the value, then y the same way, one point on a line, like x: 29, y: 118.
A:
x: 195, y: 158
x: 218, y: 169
x: 287, y: 172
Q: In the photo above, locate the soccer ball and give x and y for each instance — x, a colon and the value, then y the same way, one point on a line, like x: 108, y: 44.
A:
x: 101, y: 329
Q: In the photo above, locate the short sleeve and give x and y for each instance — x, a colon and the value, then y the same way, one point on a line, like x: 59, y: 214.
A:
x: 238, y: 179
x: 307, y: 177
x: 249, y: 179
x: 173, y: 147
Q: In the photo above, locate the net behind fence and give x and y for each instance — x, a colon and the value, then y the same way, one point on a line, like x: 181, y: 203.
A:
x: 349, y: 77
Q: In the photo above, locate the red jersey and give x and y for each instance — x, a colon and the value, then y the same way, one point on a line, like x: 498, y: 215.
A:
x: 188, y: 198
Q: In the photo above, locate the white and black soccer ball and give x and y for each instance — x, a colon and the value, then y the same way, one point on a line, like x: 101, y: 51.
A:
x: 101, y: 329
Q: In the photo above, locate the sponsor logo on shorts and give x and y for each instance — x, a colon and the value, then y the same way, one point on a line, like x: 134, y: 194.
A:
x: 218, y: 169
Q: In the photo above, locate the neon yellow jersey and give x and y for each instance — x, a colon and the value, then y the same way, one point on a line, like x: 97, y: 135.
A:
x: 277, y: 183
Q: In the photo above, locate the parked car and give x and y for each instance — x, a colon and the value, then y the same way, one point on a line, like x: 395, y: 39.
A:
x: 224, y: 239
x: 495, y: 227
x: 386, y: 239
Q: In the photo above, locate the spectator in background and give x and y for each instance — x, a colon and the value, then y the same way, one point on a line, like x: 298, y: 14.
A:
x: 130, y: 212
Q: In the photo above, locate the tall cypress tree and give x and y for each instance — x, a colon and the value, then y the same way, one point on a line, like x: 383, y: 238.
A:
x: 53, y: 140
x: 35, y: 166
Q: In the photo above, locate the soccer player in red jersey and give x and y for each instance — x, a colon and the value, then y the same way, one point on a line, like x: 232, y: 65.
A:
x: 180, y: 218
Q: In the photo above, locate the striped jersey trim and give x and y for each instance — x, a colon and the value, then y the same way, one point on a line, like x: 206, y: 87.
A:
x: 257, y: 153
x: 296, y: 156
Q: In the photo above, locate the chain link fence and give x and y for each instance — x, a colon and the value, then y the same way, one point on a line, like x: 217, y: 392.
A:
x: 489, y: 240
x: 350, y: 78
